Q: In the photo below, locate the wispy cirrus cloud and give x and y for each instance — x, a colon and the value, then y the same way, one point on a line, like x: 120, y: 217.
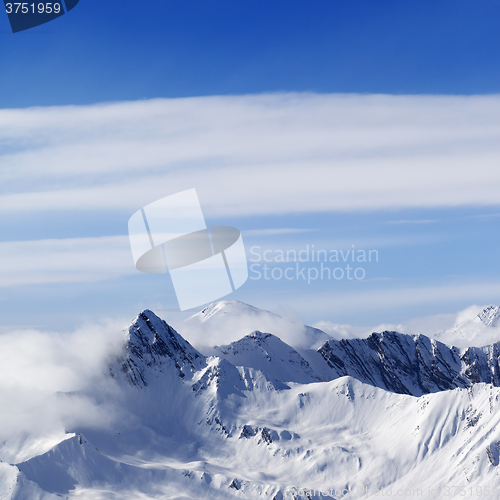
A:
x: 421, y: 221
x: 249, y: 155
x: 276, y: 231
x: 433, y: 326
x: 65, y: 260
x: 391, y: 300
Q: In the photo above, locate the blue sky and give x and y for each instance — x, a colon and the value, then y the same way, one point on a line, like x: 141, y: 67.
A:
x: 413, y: 177
x: 127, y: 50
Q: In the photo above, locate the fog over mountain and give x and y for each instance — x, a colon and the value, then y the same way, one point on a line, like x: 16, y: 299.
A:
x: 152, y: 417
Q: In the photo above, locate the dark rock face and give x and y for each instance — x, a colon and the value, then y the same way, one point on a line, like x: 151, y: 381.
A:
x: 399, y: 363
x: 411, y: 365
x: 152, y: 346
x: 481, y: 364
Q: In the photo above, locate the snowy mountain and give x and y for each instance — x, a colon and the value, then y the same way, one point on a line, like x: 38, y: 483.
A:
x: 482, y: 330
x: 258, y: 419
x: 265, y: 352
x: 152, y: 347
x: 397, y: 363
x: 413, y: 365
x: 227, y: 321
x: 490, y: 316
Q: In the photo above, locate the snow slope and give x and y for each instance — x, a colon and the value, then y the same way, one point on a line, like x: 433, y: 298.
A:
x: 227, y: 321
x: 482, y: 330
x: 256, y: 421
x: 265, y: 352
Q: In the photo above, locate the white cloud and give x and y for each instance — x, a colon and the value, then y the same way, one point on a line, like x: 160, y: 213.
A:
x: 103, y: 258
x: 437, y: 326
x: 424, y: 221
x: 265, y: 154
x: 65, y: 260
x: 468, y: 314
x: 275, y: 231
x: 224, y: 322
x: 426, y: 325
x: 359, y: 304
x: 343, y: 331
x: 396, y: 297
x: 35, y: 365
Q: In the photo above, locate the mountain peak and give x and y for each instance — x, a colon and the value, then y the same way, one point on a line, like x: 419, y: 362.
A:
x: 227, y: 321
x: 278, y: 361
x: 490, y: 316
x: 229, y: 307
x: 154, y: 346
x: 478, y: 331
x: 146, y: 317
x: 259, y: 336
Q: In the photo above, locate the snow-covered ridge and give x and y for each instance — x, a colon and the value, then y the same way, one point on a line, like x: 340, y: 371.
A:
x: 392, y: 361
x: 265, y: 352
x: 490, y: 316
x: 260, y: 419
x: 154, y: 346
x: 228, y: 321
x: 397, y: 363
x: 481, y: 330
x: 413, y: 365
